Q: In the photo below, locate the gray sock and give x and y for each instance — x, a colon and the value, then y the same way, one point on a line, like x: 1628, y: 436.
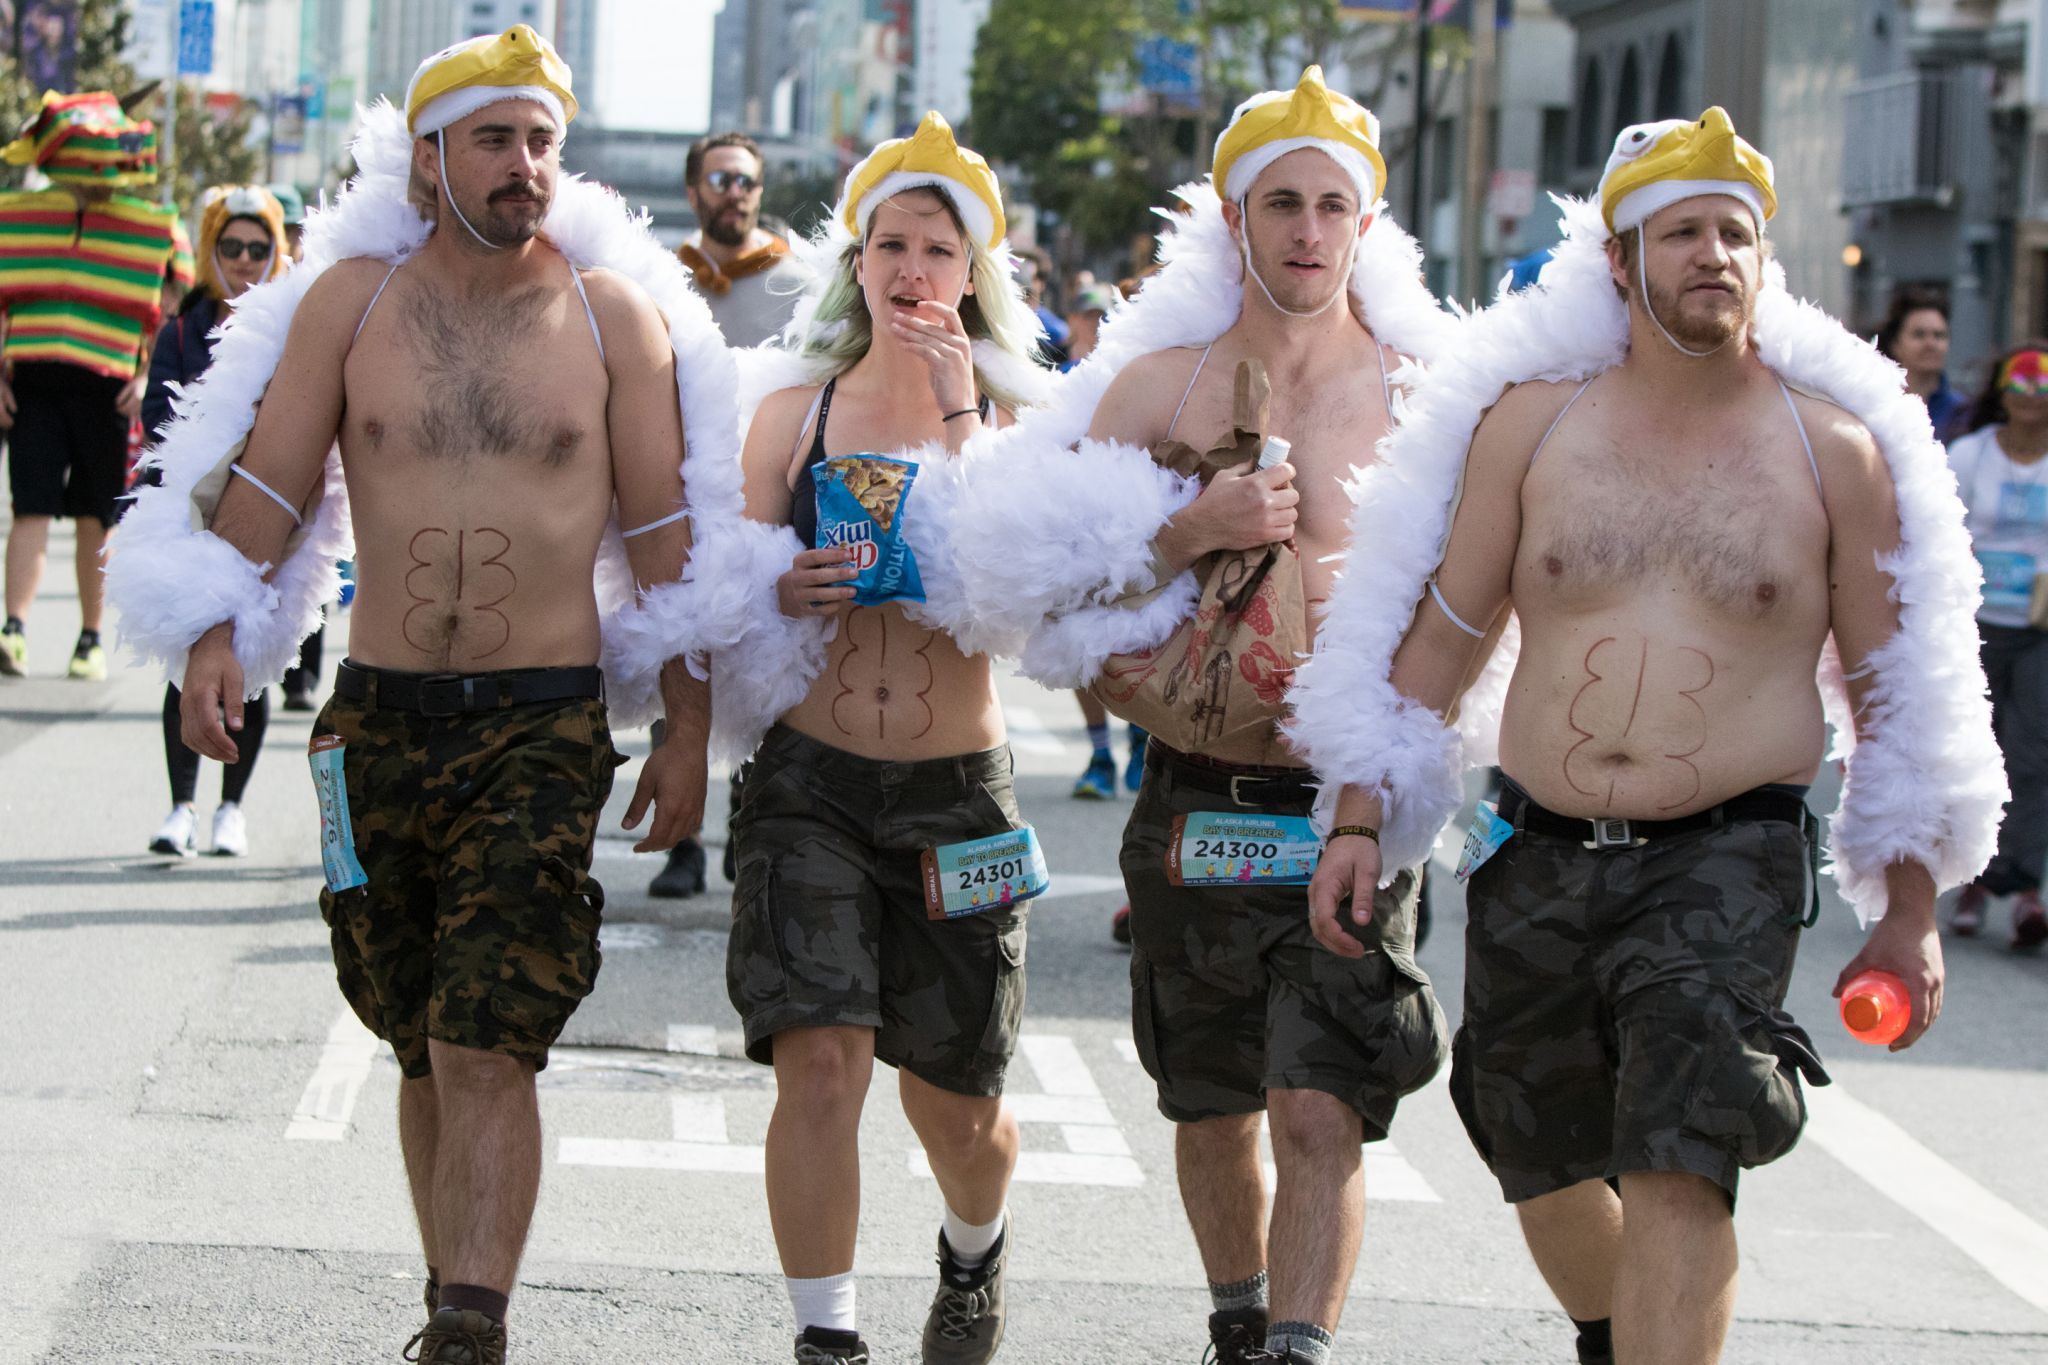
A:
x: 1238, y: 1295
x: 1300, y: 1341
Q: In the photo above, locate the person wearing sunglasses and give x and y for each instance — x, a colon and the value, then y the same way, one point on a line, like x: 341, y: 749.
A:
x: 2002, y: 475
x: 731, y: 257
x: 240, y: 231
x: 731, y: 254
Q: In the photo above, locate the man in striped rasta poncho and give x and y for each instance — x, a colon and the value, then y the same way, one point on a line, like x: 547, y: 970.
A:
x: 82, y: 267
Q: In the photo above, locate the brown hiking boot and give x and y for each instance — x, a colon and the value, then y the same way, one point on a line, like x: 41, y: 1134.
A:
x: 458, y: 1336
x: 965, y: 1325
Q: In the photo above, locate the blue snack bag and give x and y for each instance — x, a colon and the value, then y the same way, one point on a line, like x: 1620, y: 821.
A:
x: 861, y: 504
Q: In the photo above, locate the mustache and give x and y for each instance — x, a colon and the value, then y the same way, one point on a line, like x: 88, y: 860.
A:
x: 514, y: 191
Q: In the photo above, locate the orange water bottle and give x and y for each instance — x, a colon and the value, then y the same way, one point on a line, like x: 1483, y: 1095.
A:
x: 1875, y: 1007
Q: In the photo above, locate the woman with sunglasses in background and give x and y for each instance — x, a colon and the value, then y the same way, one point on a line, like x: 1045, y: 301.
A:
x: 2001, y: 468
x: 241, y: 239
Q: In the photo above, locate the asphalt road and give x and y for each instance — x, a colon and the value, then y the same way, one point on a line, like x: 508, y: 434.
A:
x: 198, y: 1158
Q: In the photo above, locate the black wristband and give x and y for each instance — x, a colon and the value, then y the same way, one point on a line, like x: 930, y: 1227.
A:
x: 962, y: 413
x: 1367, y: 830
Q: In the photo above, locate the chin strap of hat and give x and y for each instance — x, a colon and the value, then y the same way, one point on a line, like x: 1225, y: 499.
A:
x: 1643, y: 276
x: 441, y: 144
x: 1244, y: 244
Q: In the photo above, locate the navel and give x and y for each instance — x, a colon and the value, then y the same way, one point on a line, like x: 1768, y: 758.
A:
x: 881, y: 694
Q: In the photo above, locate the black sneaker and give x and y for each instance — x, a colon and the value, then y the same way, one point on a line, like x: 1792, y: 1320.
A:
x: 821, y: 1346
x: 965, y: 1325
x: 458, y: 1336
x: 684, y: 875
x: 1237, y: 1337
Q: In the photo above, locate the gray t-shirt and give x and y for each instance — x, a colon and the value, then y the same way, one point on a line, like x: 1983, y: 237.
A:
x: 749, y: 311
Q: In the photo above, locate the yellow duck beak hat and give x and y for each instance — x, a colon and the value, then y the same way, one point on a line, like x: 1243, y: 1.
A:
x: 457, y: 81
x: 1654, y: 165
x: 1269, y: 126
x: 225, y: 202
x: 928, y: 159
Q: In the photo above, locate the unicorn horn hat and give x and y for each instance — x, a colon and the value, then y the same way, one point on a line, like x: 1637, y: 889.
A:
x: 455, y: 82
x: 929, y: 159
x: 1656, y: 165
x: 1269, y: 126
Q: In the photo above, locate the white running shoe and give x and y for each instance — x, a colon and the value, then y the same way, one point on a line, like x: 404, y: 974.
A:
x: 174, y: 836
x: 230, y: 832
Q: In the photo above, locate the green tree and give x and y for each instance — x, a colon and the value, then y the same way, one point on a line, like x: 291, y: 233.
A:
x: 212, y: 147
x: 102, y: 37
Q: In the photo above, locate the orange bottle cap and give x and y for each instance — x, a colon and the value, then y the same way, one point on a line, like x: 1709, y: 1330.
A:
x: 1863, y: 1013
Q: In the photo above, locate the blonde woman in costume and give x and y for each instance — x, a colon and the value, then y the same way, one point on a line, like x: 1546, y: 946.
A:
x: 917, y: 341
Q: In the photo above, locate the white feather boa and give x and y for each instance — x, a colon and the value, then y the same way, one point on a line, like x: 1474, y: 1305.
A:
x: 172, y: 579
x: 1077, y: 518
x: 1926, y: 785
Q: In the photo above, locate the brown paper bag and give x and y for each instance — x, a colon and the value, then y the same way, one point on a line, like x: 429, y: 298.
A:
x: 1218, y: 685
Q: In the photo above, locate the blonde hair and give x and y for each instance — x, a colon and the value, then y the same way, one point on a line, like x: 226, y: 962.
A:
x: 833, y: 328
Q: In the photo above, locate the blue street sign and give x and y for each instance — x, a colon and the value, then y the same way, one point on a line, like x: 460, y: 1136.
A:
x: 195, y: 37
x: 1168, y: 68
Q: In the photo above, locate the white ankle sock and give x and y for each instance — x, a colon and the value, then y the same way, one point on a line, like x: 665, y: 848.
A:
x: 971, y: 1241
x: 824, y: 1302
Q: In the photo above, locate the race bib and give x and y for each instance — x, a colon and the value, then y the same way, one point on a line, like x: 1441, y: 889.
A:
x: 1221, y: 848
x: 337, y: 837
x: 2008, y: 578
x: 979, y: 875
x: 2023, y: 504
x: 1483, y: 840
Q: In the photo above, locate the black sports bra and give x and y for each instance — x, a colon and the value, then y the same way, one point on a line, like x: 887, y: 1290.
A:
x: 803, y: 507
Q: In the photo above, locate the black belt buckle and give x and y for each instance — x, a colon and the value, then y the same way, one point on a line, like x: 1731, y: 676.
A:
x: 450, y: 694
x: 1613, y: 834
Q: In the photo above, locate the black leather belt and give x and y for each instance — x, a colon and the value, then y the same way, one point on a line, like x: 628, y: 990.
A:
x: 451, y: 694
x: 1761, y: 804
x: 1247, y: 785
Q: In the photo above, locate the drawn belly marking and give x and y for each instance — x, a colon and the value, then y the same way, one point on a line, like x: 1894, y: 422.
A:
x: 1599, y: 786
x: 863, y: 683
x: 450, y: 607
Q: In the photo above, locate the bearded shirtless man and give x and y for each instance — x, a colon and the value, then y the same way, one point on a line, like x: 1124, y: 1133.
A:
x: 1679, y: 535
x: 490, y: 404
x: 1236, y: 1013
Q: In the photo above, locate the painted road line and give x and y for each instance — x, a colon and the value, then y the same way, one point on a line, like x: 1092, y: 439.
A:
x: 2010, y: 1246
x: 699, y: 1040
x: 1057, y: 1063
x: 701, y: 1143
x: 1388, y: 1174
x: 644, y: 1155
x: 323, y: 1112
x: 1068, y: 1099
x: 1029, y: 732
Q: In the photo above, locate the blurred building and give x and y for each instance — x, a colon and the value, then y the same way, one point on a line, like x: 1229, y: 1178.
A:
x: 944, y: 58
x: 1528, y: 120
x: 1781, y: 68
x: 1936, y: 180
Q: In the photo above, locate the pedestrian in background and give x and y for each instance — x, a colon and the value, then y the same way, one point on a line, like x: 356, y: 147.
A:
x: 733, y: 259
x: 1915, y: 334
x: 2003, y: 480
x: 241, y: 244
x: 731, y: 255
x: 81, y: 294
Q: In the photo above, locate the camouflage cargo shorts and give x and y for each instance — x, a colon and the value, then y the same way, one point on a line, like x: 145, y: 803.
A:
x: 1624, y: 1006
x: 829, y: 923
x: 479, y: 923
x: 1231, y: 995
